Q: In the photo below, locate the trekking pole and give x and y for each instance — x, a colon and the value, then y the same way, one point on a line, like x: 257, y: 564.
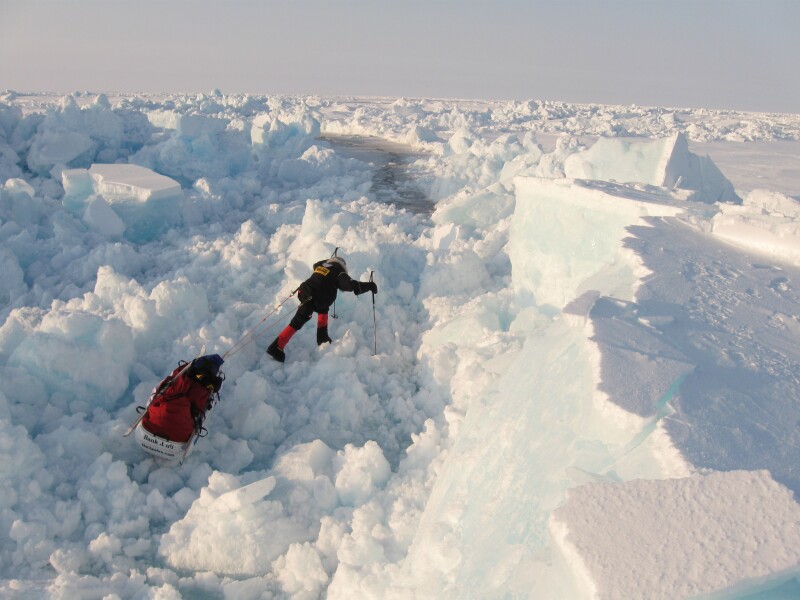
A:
x: 374, y: 319
x: 334, y: 315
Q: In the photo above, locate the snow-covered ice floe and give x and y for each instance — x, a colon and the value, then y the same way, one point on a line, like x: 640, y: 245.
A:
x: 582, y: 365
x: 721, y: 535
x: 767, y: 222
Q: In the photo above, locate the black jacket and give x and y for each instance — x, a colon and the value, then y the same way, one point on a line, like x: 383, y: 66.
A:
x: 322, y: 286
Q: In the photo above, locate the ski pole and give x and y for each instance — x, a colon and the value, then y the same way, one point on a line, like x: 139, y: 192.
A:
x: 334, y: 315
x: 374, y: 319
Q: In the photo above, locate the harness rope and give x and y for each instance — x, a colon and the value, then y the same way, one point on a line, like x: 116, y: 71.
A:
x: 251, y: 335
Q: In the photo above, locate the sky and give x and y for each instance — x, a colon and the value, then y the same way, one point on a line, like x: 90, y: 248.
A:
x: 728, y: 54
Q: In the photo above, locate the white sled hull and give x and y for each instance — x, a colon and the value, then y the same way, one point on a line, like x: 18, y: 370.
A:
x: 161, y: 447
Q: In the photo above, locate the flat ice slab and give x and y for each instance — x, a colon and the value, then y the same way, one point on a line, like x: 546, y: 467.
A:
x: 128, y: 181
x: 717, y: 536
x: 123, y: 198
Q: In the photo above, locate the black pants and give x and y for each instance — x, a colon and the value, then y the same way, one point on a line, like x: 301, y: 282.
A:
x: 305, y: 310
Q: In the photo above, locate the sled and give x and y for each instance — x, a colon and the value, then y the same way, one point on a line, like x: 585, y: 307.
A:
x: 163, y: 385
x: 179, y: 398
x: 161, y: 447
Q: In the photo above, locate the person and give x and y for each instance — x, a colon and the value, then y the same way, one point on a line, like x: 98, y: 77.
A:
x: 316, y: 294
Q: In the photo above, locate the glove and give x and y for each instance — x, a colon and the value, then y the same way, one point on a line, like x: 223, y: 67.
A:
x: 362, y: 287
x: 322, y: 336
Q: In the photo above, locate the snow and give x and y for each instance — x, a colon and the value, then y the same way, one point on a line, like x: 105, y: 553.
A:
x: 578, y: 378
x: 678, y: 538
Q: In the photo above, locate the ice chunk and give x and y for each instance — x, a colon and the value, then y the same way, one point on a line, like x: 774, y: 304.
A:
x: 18, y: 203
x: 301, y: 572
x: 77, y: 184
x: 285, y: 136
x: 125, y: 182
x: 201, y: 147
x: 77, y: 353
x: 9, y: 117
x: 563, y: 233
x: 461, y: 141
x: 8, y: 162
x: 196, y: 126
x: 22, y: 459
x: 59, y: 148
x: 688, y: 171
x: 74, y: 137
x: 731, y: 533
x: 362, y: 471
x: 145, y: 203
x: 102, y: 218
x: 473, y: 210
x: 772, y: 203
x: 417, y: 136
x: 19, y: 186
x: 611, y: 159
x: 12, y: 282
x: 232, y: 528
x: 666, y: 162
x: 306, y: 462
x: 166, y: 119
x: 767, y: 222
x: 309, y: 168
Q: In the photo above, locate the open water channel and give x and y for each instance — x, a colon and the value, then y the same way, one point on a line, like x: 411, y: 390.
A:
x: 392, y: 179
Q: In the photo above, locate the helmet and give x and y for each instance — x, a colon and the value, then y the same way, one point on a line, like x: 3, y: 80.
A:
x: 339, y: 261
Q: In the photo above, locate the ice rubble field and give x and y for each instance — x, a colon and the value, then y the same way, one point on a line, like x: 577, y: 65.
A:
x: 587, y: 376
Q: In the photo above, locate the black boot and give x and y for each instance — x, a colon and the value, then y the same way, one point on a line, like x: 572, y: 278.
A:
x: 322, y: 336
x: 276, y: 352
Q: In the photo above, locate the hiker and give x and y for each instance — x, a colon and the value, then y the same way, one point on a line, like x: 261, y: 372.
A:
x: 316, y: 294
x: 178, y: 406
